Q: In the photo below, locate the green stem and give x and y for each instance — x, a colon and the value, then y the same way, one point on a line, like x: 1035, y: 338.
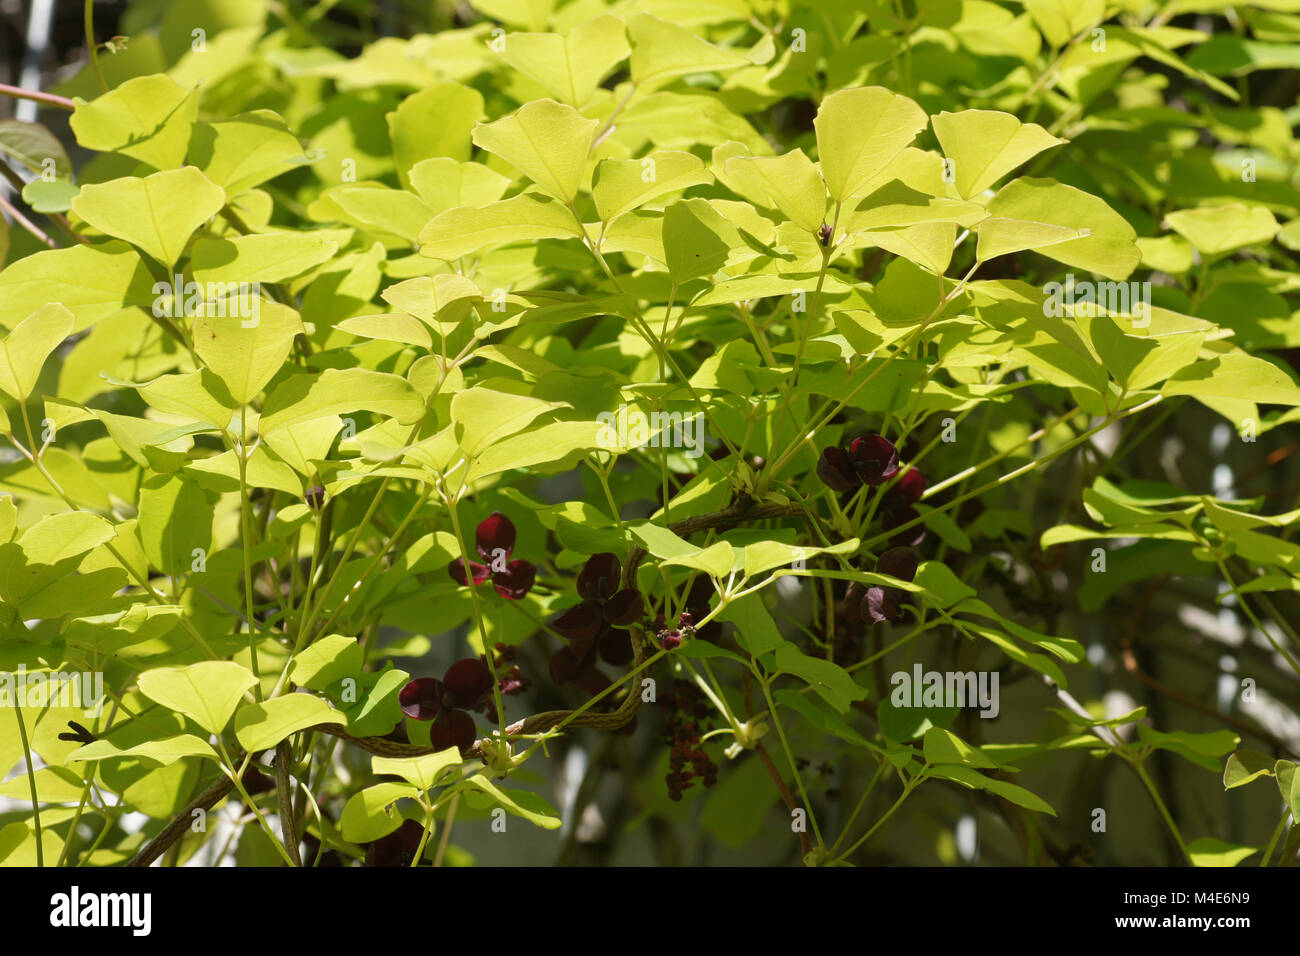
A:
x: 89, y: 11
x: 1164, y: 811
x: 31, y: 783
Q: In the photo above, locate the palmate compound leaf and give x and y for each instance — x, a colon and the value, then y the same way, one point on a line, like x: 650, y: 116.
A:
x: 859, y: 131
x: 157, y: 214
x: 523, y: 218
x: 207, y: 692
x: 24, y: 350
x: 1062, y: 223
x: 546, y: 141
x: 985, y: 145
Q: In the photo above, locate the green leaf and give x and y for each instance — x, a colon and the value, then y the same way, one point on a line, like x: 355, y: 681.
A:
x: 790, y: 182
x: 246, y: 357
x: 484, y: 417
x: 1063, y: 20
x: 207, y: 692
x: 523, y: 218
x: 520, y: 803
x: 245, y: 150
x: 620, y: 185
x: 422, y: 772
x: 859, y: 132
x: 92, y: 281
x: 24, y: 350
x: 262, y: 726
x: 1218, y: 230
x: 163, y: 752
x: 717, y: 560
x: 1061, y: 222
x: 174, y: 519
x: 1008, y: 791
x: 1244, y: 766
x: 697, y: 240
x: 570, y: 67
x: 370, y: 814
x: 1235, y: 375
x: 157, y: 214
x: 49, y: 196
x: 1288, y: 784
x: 663, y: 50
x: 985, y: 145
x: 1204, y: 750
x: 269, y: 257
x: 547, y: 141
x: 437, y: 121
x: 762, y: 556
x: 832, y: 682
x: 755, y: 630
x: 31, y: 145
x: 1211, y: 851
x: 302, y: 398
x: 148, y: 118
x: 944, y: 747
x: 445, y: 184
x: 327, y: 661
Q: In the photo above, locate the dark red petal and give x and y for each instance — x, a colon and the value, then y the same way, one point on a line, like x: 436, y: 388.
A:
x: 516, y: 580
x: 564, y: 666
x: 454, y: 728
x: 580, y: 621
x: 421, y: 699
x: 912, y: 536
x: 875, y: 459
x: 898, y: 563
x: 495, y: 537
x: 907, y: 490
x: 616, y: 648
x: 836, y: 470
x: 599, y: 577
x: 465, y: 683
x: 457, y: 569
x: 624, y: 608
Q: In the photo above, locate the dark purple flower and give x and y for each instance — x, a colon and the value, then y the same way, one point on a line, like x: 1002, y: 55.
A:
x: 878, y: 602
x: 909, y: 537
x: 603, y: 603
x: 870, y: 460
x: 398, y: 848
x: 495, y: 541
x: 836, y: 470
x: 874, y: 458
x: 466, y: 686
x: 907, y: 490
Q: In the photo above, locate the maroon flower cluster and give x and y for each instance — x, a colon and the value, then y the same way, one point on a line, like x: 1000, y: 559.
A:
x: 869, y: 460
x: 687, y: 710
x: 593, y: 625
x: 467, y: 686
x: 495, y: 541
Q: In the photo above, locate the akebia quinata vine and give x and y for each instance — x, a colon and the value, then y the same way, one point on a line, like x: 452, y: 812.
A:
x: 748, y: 433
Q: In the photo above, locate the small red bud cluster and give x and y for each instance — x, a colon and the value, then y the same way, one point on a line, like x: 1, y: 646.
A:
x: 687, y: 760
